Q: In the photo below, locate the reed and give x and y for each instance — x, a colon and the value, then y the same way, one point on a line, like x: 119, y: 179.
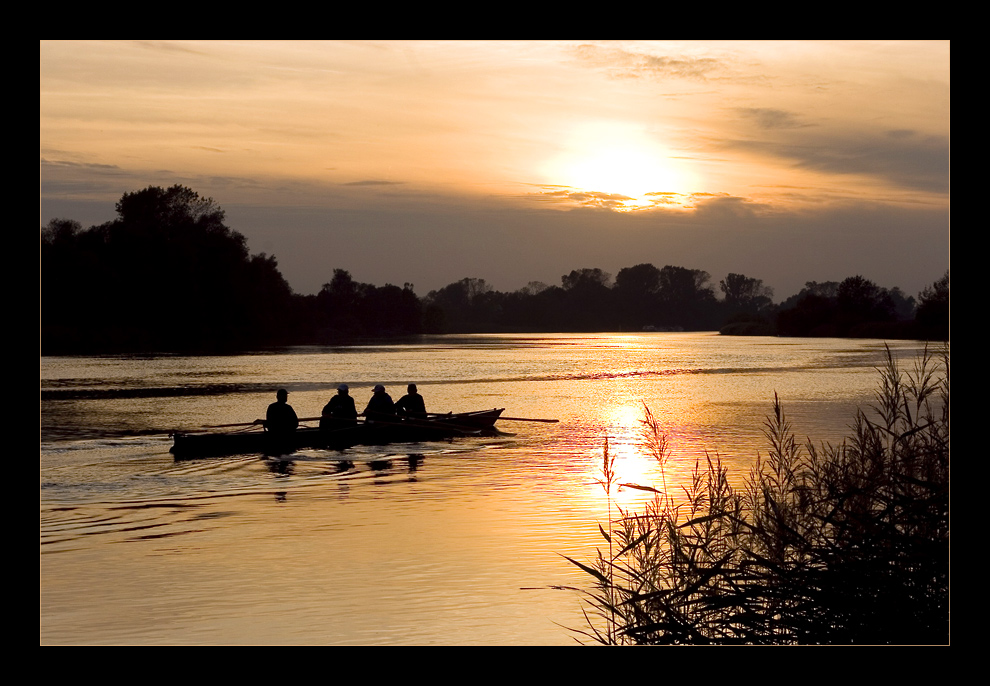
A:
x: 845, y: 544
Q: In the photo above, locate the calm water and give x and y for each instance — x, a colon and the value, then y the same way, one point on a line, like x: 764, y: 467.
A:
x: 440, y: 543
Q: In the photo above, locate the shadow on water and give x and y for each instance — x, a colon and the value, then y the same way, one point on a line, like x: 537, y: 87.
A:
x: 286, y: 465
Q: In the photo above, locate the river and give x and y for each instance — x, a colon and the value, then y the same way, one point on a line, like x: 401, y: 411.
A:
x: 445, y: 543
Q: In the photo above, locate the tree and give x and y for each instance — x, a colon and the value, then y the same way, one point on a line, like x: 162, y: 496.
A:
x: 827, y: 290
x: 636, y: 289
x: 932, y: 315
x: 64, y: 284
x: 467, y: 305
x: 166, y: 274
x: 686, y: 298
x: 743, y: 294
x: 643, y: 279
x: 586, y: 279
x: 588, y: 301
x: 807, y: 314
x: 860, y: 301
x: 854, y: 307
x: 904, y: 304
x: 172, y: 209
x: 533, y: 288
x: 60, y: 233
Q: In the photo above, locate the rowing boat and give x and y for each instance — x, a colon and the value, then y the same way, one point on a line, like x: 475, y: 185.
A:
x: 191, y: 445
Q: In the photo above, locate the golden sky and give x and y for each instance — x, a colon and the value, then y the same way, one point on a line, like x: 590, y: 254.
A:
x: 333, y: 141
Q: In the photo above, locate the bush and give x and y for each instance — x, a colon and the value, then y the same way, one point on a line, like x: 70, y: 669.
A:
x: 844, y: 544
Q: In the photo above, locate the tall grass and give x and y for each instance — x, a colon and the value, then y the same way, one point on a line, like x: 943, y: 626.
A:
x: 845, y: 544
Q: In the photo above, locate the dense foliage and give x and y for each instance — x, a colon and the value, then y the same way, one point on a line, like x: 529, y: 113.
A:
x: 168, y: 275
x: 858, y: 307
x: 844, y: 544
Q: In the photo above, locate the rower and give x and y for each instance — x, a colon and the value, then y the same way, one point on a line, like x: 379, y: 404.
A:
x: 280, y: 424
x: 340, y: 411
x: 380, y: 407
x: 281, y: 418
x: 411, y: 405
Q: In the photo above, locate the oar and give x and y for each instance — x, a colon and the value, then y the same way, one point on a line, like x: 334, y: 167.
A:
x: 524, y: 419
x: 509, y: 419
x: 224, y: 426
x: 256, y: 421
x: 435, y: 414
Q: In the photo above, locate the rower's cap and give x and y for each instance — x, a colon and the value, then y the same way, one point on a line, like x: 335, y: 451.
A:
x: 342, y: 387
x: 282, y: 391
x: 379, y: 387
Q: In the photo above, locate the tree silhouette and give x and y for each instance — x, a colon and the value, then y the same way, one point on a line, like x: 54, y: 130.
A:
x: 744, y: 294
x: 637, y: 294
x: 166, y: 274
x: 933, y: 310
x: 686, y: 299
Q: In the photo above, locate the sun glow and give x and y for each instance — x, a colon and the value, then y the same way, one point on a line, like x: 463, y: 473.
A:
x: 619, y: 165
x: 633, y: 465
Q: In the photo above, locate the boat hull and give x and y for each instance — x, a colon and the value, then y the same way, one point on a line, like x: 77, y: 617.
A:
x: 437, y: 427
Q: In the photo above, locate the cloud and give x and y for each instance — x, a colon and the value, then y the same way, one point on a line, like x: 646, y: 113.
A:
x: 769, y: 118
x: 906, y: 159
x: 582, y: 198
x: 909, y: 160
x: 722, y: 207
x: 622, y: 63
x: 65, y: 179
x: 168, y: 47
x: 374, y: 182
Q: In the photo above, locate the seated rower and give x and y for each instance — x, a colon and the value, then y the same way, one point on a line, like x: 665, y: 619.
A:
x: 411, y: 405
x: 281, y: 419
x: 280, y: 424
x: 339, y: 412
x: 380, y: 407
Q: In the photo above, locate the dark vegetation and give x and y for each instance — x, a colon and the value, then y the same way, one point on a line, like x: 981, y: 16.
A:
x: 844, y: 544
x: 168, y: 275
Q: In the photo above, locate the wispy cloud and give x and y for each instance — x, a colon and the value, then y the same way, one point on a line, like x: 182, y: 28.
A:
x: 905, y: 159
x: 769, y: 118
x: 373, y: 182
x: 625, y: 63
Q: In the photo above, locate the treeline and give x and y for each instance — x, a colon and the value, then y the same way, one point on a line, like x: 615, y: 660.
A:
x: 642, y: 297
x: 168, y: 275
x: 858, y: 307
x: 671, y: 298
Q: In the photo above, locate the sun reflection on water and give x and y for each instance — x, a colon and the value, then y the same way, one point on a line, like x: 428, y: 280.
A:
x: 639, y: 474
x: 633, y: 465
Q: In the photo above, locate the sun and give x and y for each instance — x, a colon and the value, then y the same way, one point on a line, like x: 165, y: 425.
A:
x: 618, y: 161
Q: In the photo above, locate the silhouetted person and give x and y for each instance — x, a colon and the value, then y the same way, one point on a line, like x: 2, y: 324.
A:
x: 411, y: 404
x: 281, y: 418
x: 340, y: 411
x: 380, y: 406
x: 281, y: 422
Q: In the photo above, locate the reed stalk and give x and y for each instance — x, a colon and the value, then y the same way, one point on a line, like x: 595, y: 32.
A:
x: 843, y: 544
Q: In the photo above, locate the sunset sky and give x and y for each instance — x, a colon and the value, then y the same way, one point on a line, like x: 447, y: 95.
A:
x: 514, y: 161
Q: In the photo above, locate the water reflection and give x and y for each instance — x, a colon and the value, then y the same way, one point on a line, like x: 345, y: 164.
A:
x: 640, y: 472
x: 281, y: 466
x: 460, y: 527
x: 341, y: 466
